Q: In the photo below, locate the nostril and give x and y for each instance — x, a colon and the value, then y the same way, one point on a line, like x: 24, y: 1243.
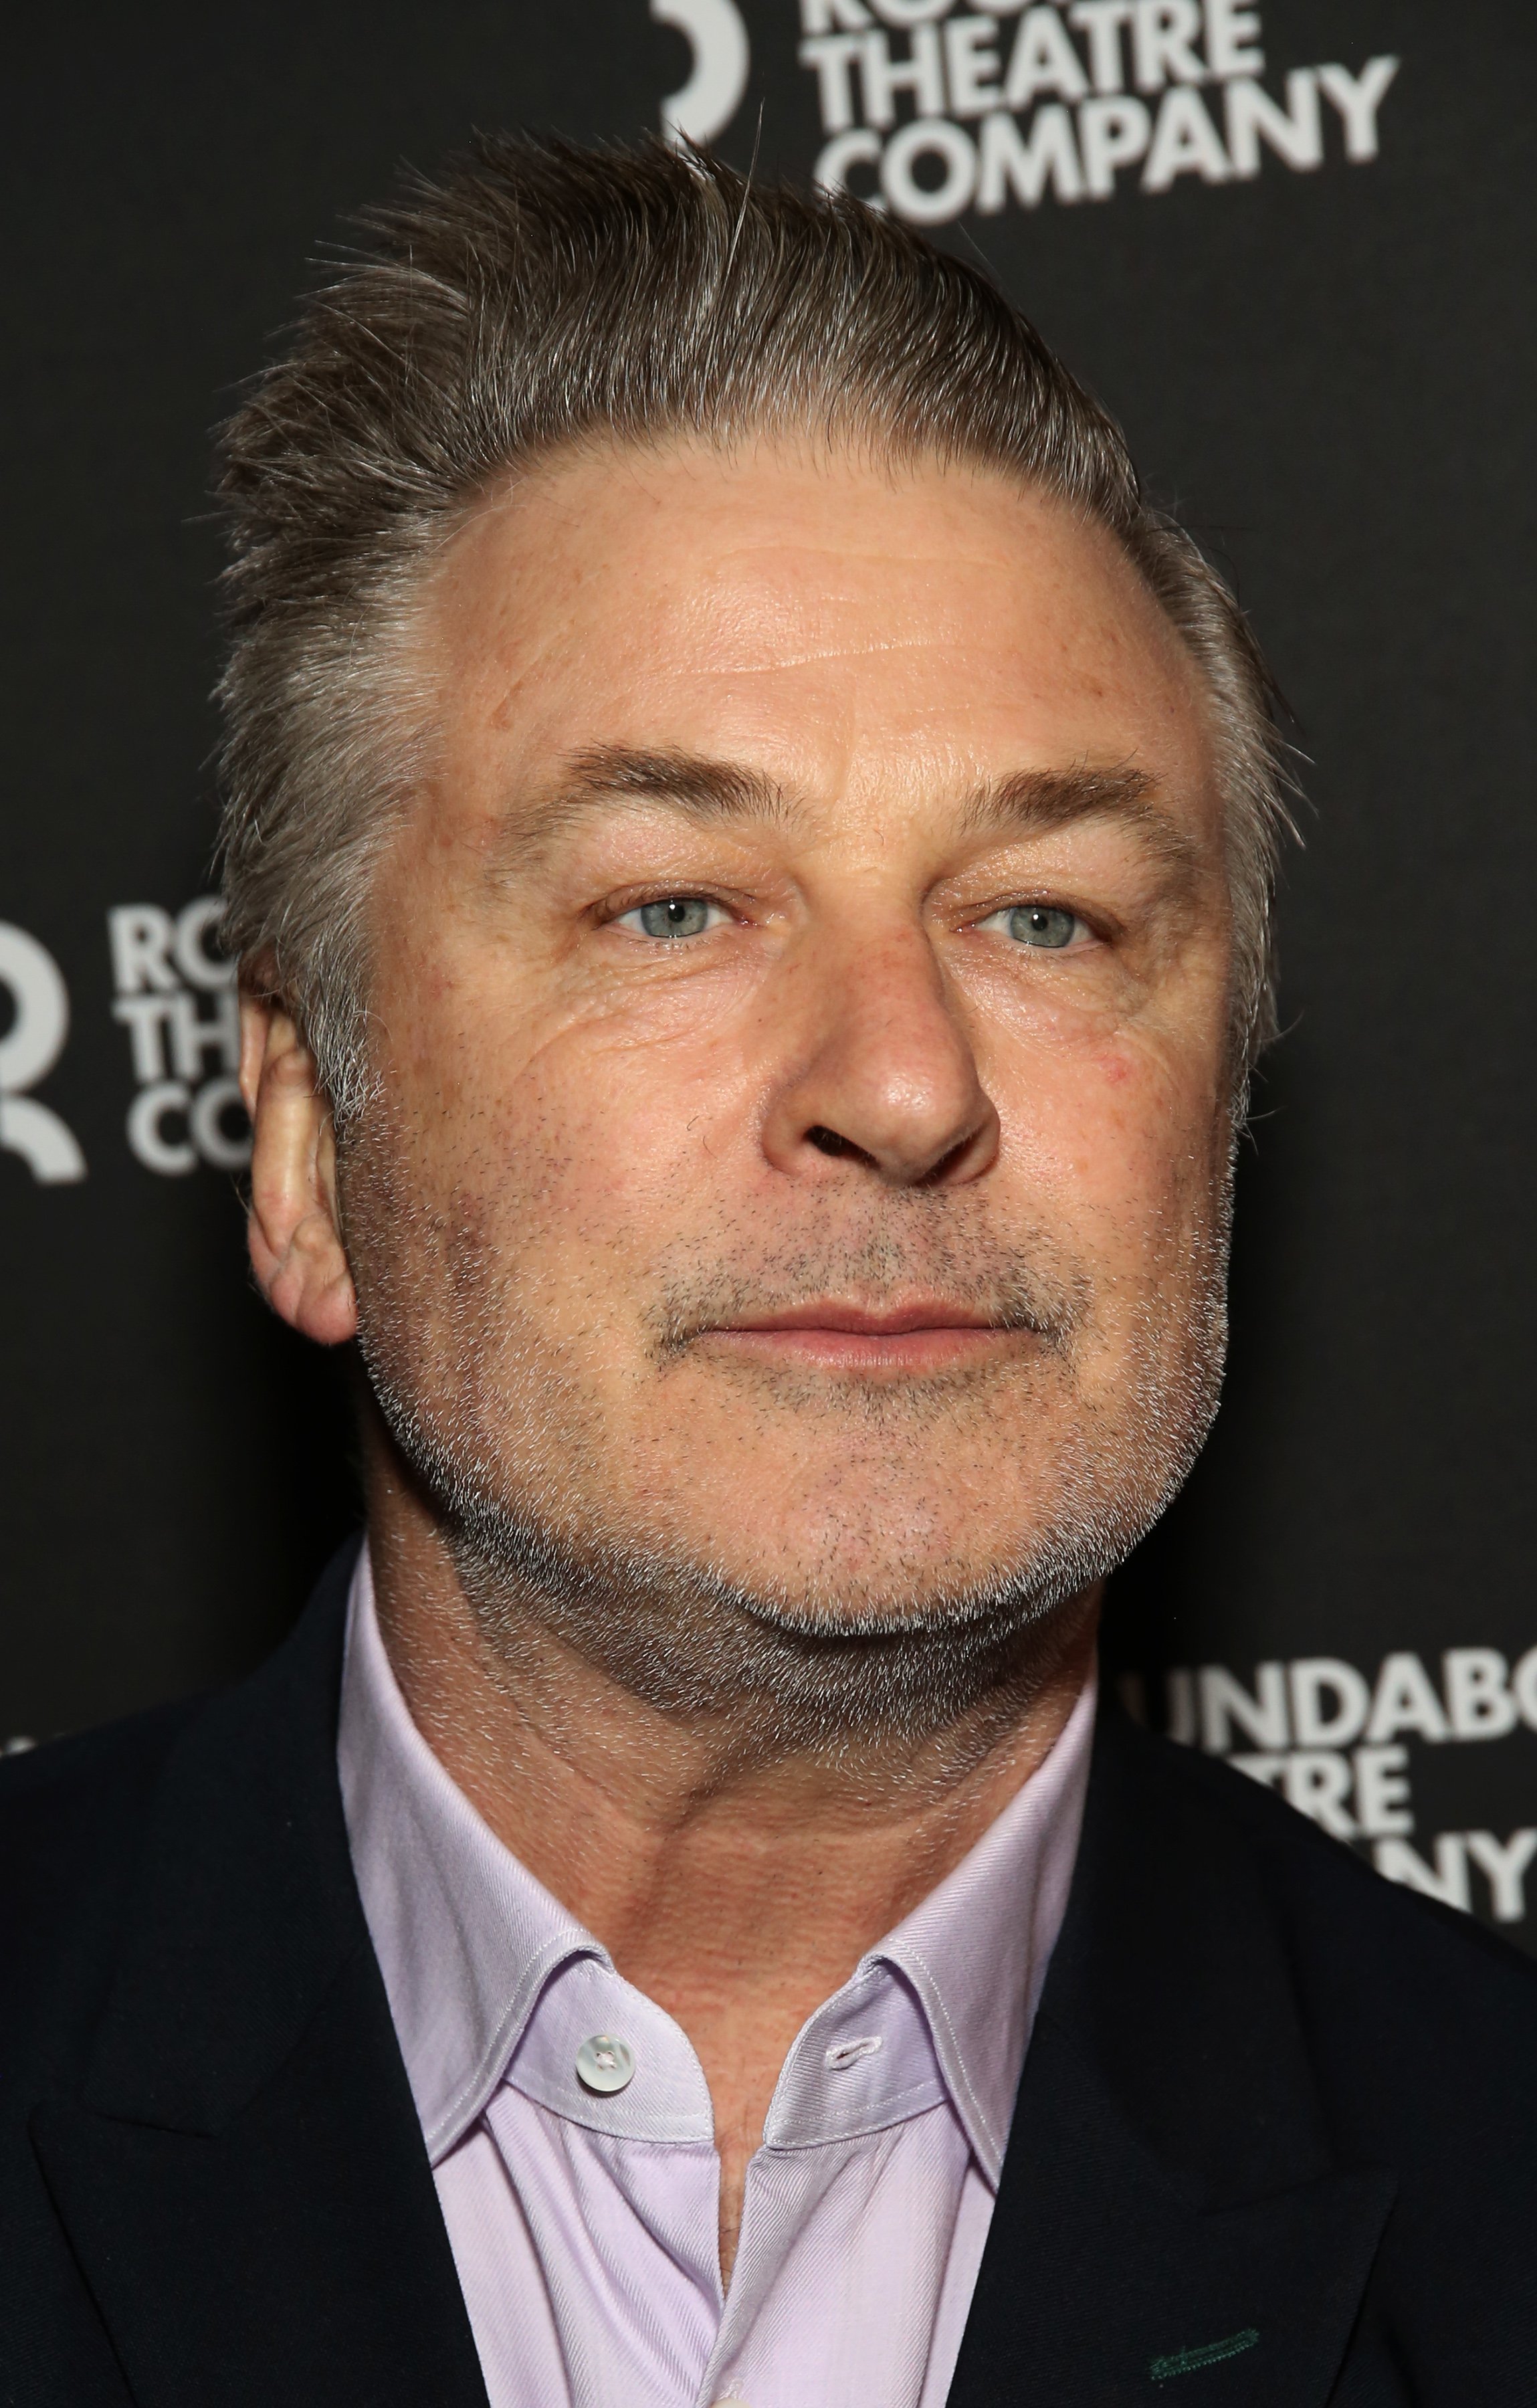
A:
x: 827, y: 1140
x: 946, y: 1166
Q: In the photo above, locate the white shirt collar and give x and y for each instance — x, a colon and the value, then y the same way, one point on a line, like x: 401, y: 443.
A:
x: 470, y: 1945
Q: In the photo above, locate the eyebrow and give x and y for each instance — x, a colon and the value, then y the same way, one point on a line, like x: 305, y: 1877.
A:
x: 707, y: 792
x: 1035, y: 801
x: 712, y: 793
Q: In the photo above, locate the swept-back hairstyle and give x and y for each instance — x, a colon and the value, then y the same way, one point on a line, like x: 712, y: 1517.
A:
x: 538, y: 296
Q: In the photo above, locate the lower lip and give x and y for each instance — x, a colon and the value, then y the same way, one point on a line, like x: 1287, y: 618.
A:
x: 939, y: 1348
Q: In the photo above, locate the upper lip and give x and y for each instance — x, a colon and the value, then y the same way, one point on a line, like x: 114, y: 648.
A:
x: 892, y: 1321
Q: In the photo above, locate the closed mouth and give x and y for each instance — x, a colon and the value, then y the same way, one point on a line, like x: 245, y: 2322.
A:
x: 924, y: 1333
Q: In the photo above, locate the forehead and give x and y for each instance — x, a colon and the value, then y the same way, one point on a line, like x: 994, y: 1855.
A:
x: 836, y: 624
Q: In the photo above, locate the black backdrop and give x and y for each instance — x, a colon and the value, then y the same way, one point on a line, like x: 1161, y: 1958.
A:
x: 1304, y: 285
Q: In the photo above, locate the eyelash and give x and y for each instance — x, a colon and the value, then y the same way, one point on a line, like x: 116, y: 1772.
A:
x: 1077, y: 927
x: 680, y: 898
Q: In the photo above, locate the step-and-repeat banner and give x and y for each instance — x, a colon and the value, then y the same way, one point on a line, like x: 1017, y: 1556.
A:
x: 1287, y: 242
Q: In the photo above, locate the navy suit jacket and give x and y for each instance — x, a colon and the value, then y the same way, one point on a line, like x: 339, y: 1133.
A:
x: 1275, y: 2142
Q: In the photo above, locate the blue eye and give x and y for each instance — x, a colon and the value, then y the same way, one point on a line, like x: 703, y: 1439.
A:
x: 1041, y: 923
x: 678, y: 915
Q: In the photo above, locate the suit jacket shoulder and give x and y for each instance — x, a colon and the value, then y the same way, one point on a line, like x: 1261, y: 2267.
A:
x: 213, y: 2186
x: 1277, y: 2123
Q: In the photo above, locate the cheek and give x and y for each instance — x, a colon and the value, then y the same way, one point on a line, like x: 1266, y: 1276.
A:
x: 1121, y: 1129
x: 430, y: 1031
x: 592, y: 1151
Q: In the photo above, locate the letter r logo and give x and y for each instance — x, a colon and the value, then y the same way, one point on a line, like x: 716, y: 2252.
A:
x: 701, y: 108
x: 28, y: 1051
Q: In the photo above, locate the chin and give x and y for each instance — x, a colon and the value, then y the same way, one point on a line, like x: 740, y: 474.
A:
x: 907, y: 1523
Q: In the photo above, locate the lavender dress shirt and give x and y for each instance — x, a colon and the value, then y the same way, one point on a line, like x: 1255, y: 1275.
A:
x: 583, y: 2222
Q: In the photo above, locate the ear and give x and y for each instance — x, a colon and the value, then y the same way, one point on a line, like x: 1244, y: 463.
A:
x: 293, y: 1227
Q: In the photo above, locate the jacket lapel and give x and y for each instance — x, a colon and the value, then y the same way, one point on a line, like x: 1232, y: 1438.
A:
x: 242, y: 2177
x: 1169, y: 2206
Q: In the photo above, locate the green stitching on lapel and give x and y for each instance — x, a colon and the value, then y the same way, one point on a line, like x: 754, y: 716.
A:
x: 1184, y: 2361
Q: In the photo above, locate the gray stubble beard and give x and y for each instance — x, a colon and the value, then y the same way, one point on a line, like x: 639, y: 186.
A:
x: 819, y: 1667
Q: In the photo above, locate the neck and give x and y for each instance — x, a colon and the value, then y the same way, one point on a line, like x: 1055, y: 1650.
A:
x: 735, y: 1881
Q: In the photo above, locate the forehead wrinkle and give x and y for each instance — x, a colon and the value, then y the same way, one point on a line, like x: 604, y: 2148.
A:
x: 1035, y: 801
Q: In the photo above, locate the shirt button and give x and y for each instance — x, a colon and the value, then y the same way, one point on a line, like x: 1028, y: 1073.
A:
x: 604, y: 2064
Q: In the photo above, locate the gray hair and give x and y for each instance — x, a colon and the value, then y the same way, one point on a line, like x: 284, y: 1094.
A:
x: 541, y: 295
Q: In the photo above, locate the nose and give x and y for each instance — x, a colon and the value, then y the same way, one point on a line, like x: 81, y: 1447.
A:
x: 884, y: 1079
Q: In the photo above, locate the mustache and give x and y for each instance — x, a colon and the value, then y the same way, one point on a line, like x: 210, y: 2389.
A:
x: 1033, y: 1287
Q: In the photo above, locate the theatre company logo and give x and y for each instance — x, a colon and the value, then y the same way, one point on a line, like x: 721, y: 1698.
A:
x: 176, y: 998
x: 38, y: 1006
x: 1333, y: 1741
x: 931, y: 107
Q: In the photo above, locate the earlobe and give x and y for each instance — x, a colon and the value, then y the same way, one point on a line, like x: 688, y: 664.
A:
x: 293, y: 1227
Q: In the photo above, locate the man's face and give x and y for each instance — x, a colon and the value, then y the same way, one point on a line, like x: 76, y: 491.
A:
x: 800, y: 1006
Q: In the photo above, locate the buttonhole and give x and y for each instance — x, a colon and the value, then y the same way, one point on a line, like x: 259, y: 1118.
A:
x: 849, y: 2052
